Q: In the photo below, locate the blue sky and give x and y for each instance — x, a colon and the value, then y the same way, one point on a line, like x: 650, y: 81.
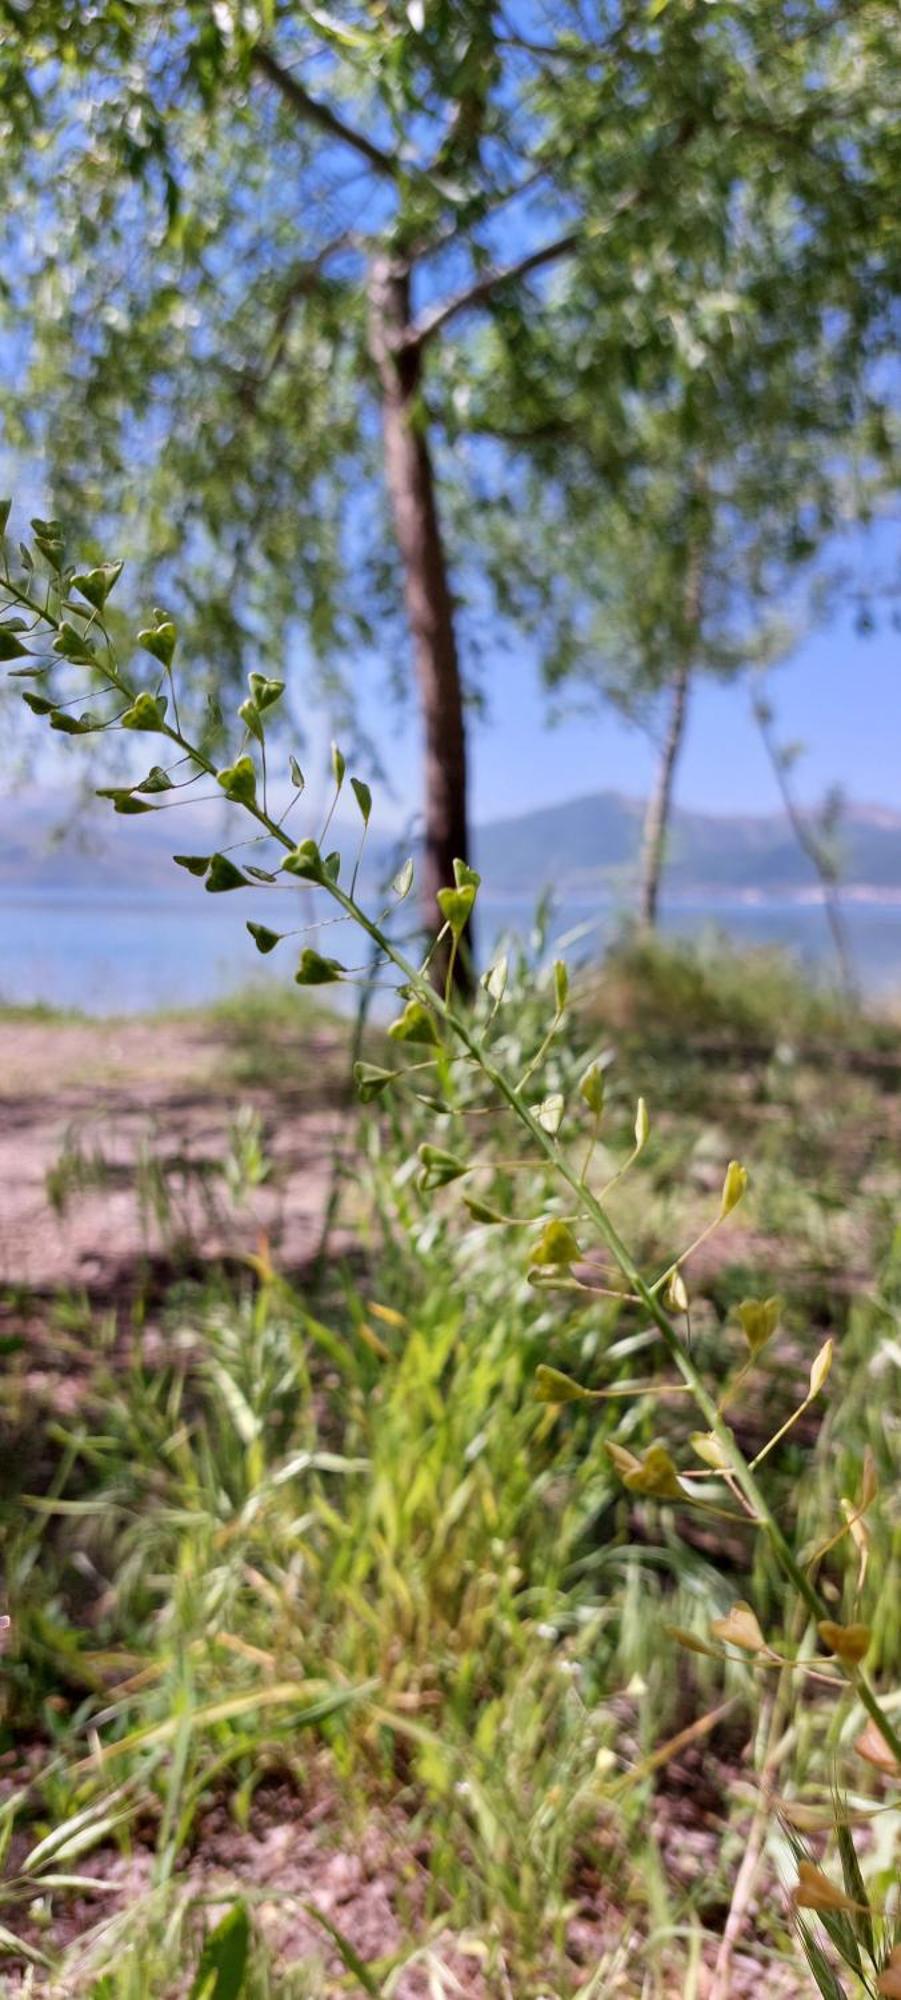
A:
x: 840, y: 695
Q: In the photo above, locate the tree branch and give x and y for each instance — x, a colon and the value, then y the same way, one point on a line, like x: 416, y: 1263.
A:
x: 431, y: 323
x: 309, y: 108
x: 431, y: 246
x: 301, y: 281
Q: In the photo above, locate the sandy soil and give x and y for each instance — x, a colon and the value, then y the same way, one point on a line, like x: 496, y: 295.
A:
x: 130, y: 1126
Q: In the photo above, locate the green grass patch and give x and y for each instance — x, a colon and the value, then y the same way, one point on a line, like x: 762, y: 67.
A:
x: 327, y: 1544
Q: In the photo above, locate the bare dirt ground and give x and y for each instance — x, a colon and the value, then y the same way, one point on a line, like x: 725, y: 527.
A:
x: 294, y: 1865
x: 115, y: 1148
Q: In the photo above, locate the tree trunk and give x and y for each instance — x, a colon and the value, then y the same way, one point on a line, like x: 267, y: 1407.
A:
x: 657, y: 816
x: 414, y: 507
x: 812, y: 846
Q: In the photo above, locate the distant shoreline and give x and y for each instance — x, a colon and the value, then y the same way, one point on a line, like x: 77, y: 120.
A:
x: 587, y: 849
x: 864, y: 894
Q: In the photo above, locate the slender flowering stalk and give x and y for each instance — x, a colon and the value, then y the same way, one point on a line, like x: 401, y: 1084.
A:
x: 53, y: 634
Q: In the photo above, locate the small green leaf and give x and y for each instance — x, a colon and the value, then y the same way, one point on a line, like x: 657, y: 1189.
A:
x: 561, y: 984
x: 820, y: 1366
x: 265, y: 693
x: 251, y: 718
x: 815, y: 1891
x: 72, y: 646
x: 124, y: 800
x: 642, y: 1126
x: 297, y: 777
x: 371, y: 1081
x: 264, y: 939
x: 495, y: 981
x: 306, y: 861
x: 339, y: 766
x: 196, y: 864
x: 555, y: 1245
x: 159, y: 639
x: 38, y: 703
x: 157, y: 780
x: 456, y: 907
x: 551, y: 1386
x: 759, y: 1319
x: 75, y: 725
x: 96, y: 584
x: 239, y: 781
x: 655, y: 1476
x: 331, y: 865
x: 624, y: 1461
x: 481, y: 1211
x: 49, y: 539
x: 259, y: 874
x: 691, y: 1642
x: 708, y: 1448
x: 592, y: 1089
x: 147, y: 711
x: 224, y: 1959
x: 734, y: 1187
x: 849, y: 1643
x: 439, y: 1167
x: 224, y: 875
x: 550, y: 1113
x: 314, y: 970
x: 740, y: 1628
x: 415, y: 1024
x: 675, y: 1297
x: 11, y: 648
x: 466, y: 877
x: 5, y: 506
x: 403, y: 881
x: 363, y: 796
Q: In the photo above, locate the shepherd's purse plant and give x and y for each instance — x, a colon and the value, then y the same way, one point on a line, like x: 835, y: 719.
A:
x: 56, y: 642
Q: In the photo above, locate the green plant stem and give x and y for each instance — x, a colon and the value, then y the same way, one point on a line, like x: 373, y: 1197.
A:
x: 744, y: 1477
x: 646, y: 1294
x: 781, y: 1432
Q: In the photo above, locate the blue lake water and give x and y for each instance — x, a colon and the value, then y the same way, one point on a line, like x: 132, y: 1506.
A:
x: 118, y: 957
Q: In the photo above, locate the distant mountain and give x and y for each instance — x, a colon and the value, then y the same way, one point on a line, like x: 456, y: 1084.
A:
x: 587, y: 846
x: 592, y: 844
x: 57, y: 841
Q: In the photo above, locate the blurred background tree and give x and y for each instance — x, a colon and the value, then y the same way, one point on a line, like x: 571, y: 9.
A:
x: 703, y: 544
x: 695, y: 430
x: 251, y: 255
